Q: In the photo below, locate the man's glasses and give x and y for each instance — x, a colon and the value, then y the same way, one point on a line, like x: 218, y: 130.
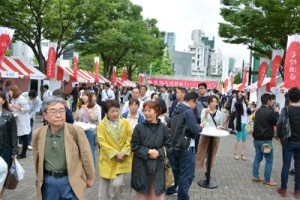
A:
x: 55, y: 112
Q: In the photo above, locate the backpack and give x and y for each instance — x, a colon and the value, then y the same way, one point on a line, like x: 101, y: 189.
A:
x: 283, y: 129
x: 250, y: 124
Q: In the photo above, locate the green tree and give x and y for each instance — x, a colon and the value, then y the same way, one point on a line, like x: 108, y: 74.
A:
x: 237, y: 79
x: 59, y: 21
x: 262, y: 25
x: 125, y: 40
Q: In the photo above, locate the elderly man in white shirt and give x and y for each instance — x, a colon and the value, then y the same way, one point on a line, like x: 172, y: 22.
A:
x: 107, y: 93
x: 135, y: 94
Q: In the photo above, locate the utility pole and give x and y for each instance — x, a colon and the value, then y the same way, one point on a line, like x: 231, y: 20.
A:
x: 250, y: 68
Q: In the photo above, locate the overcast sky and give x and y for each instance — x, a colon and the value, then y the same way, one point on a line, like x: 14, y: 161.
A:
x: 183, y: 16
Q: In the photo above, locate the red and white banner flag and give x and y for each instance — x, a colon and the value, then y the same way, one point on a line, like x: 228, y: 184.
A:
x: 6, y: 35
x: 225, y: 85
x: 292, y: 62
x: 245, y: 74
x: 140, y: 80
x: 262, y: 71
x: 75, y: 63
x: 96, y: 59
x: 113, y: 78
x: 50, y: 72
x: 276, y: 62
x: 124, y: 74
x: 230, y: 81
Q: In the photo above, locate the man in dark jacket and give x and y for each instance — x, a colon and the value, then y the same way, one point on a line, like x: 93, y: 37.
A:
x: 184, y: 130
x: 263, y: 133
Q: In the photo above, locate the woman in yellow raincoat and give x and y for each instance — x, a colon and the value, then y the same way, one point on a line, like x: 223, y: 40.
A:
x: 115, y: 157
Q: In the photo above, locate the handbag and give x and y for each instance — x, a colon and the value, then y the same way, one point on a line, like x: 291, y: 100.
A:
x: 266, y: 148
x: 11, y: 181
x: 169, y: 176
x: 283, y: 129
x: 250, y: 124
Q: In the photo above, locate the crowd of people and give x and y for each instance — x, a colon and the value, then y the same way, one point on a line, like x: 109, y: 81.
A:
x: 135, y: 129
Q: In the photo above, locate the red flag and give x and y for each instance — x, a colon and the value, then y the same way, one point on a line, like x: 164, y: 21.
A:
x: 124, y: 75
x: 140, y: 81
x: 113, y: 78
x: 292, y: 63
x: 51, y: 61
x: 96, y: 59
x: 75, y: 61
x: 225, y: 85
x: 244, y: 79
x: 6, y: 35
x: 276, y: 61
x: 262, y: 71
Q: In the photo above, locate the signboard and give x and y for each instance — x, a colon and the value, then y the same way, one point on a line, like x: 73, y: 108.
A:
x: 9, y: 74
x: 36, y: 76
x: 183, y: 83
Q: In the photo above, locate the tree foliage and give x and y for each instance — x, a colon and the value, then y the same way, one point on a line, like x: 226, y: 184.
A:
x: 124, y: 40
x: 237, y: 79
x: 262, y: 25
x: 59, y: 21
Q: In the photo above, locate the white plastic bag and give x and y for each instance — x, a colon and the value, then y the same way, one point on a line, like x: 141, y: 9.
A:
x: 20, y: 170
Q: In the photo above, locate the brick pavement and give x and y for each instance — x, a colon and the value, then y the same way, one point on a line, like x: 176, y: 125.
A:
x: 233, y: 177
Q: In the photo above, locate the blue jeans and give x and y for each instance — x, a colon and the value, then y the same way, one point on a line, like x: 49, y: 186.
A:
x: 90, y: 134
x: 30, y: 134
x: 57, y: 189
x: 258, y: 158
x: 183, y: 167
x: 288, y: 150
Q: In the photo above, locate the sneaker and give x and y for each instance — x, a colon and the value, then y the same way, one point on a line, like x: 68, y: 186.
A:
x: 270, y: 183
x: 258, y: 179
x: 282, y: 192
x: 21, y: 156
x: 29, y: 147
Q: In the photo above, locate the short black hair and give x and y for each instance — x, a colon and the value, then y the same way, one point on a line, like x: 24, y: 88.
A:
x: 164, y: 86
x: 162, y: 105
x: 132, y: 101
x: 211, y: 98
x: 107, y: 84
x: 273, y: 96
x: 152, y: 95
x: 32, y: 93
x: 143, y: 86
x: 110, y: 103
x: 46, y: 86
x: 190, y: 96
x: 202, y: 84
x: 294, y: 94
x: 183, y: 90
x: 265, y: 98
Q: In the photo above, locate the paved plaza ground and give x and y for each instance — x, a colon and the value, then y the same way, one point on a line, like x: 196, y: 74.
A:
x: 233, y: 177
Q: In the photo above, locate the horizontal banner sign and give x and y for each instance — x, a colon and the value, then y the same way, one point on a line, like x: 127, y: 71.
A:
x: 183, y: 83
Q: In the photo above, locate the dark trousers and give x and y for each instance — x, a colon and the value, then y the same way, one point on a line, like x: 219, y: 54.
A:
x: 288, y: 150
x: 183, y: 166
x: 57, y: 189
x: 23, y: 139
x: 102, y: 110
x: 231, y: 124
x: 30, y: 134
x: 6, y: 155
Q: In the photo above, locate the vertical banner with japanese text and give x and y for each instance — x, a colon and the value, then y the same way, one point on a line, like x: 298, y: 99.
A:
x: 225, y: 85
x: 96, y: 59
x: 50, y: 72
x: 6, y: 35
x: 262, y: 71
x: 75, y: 63
x: 140, y: 79
x: 113, y: 78
x: 292, y: 62
x: 124, y: 74
x: 276, y: 62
